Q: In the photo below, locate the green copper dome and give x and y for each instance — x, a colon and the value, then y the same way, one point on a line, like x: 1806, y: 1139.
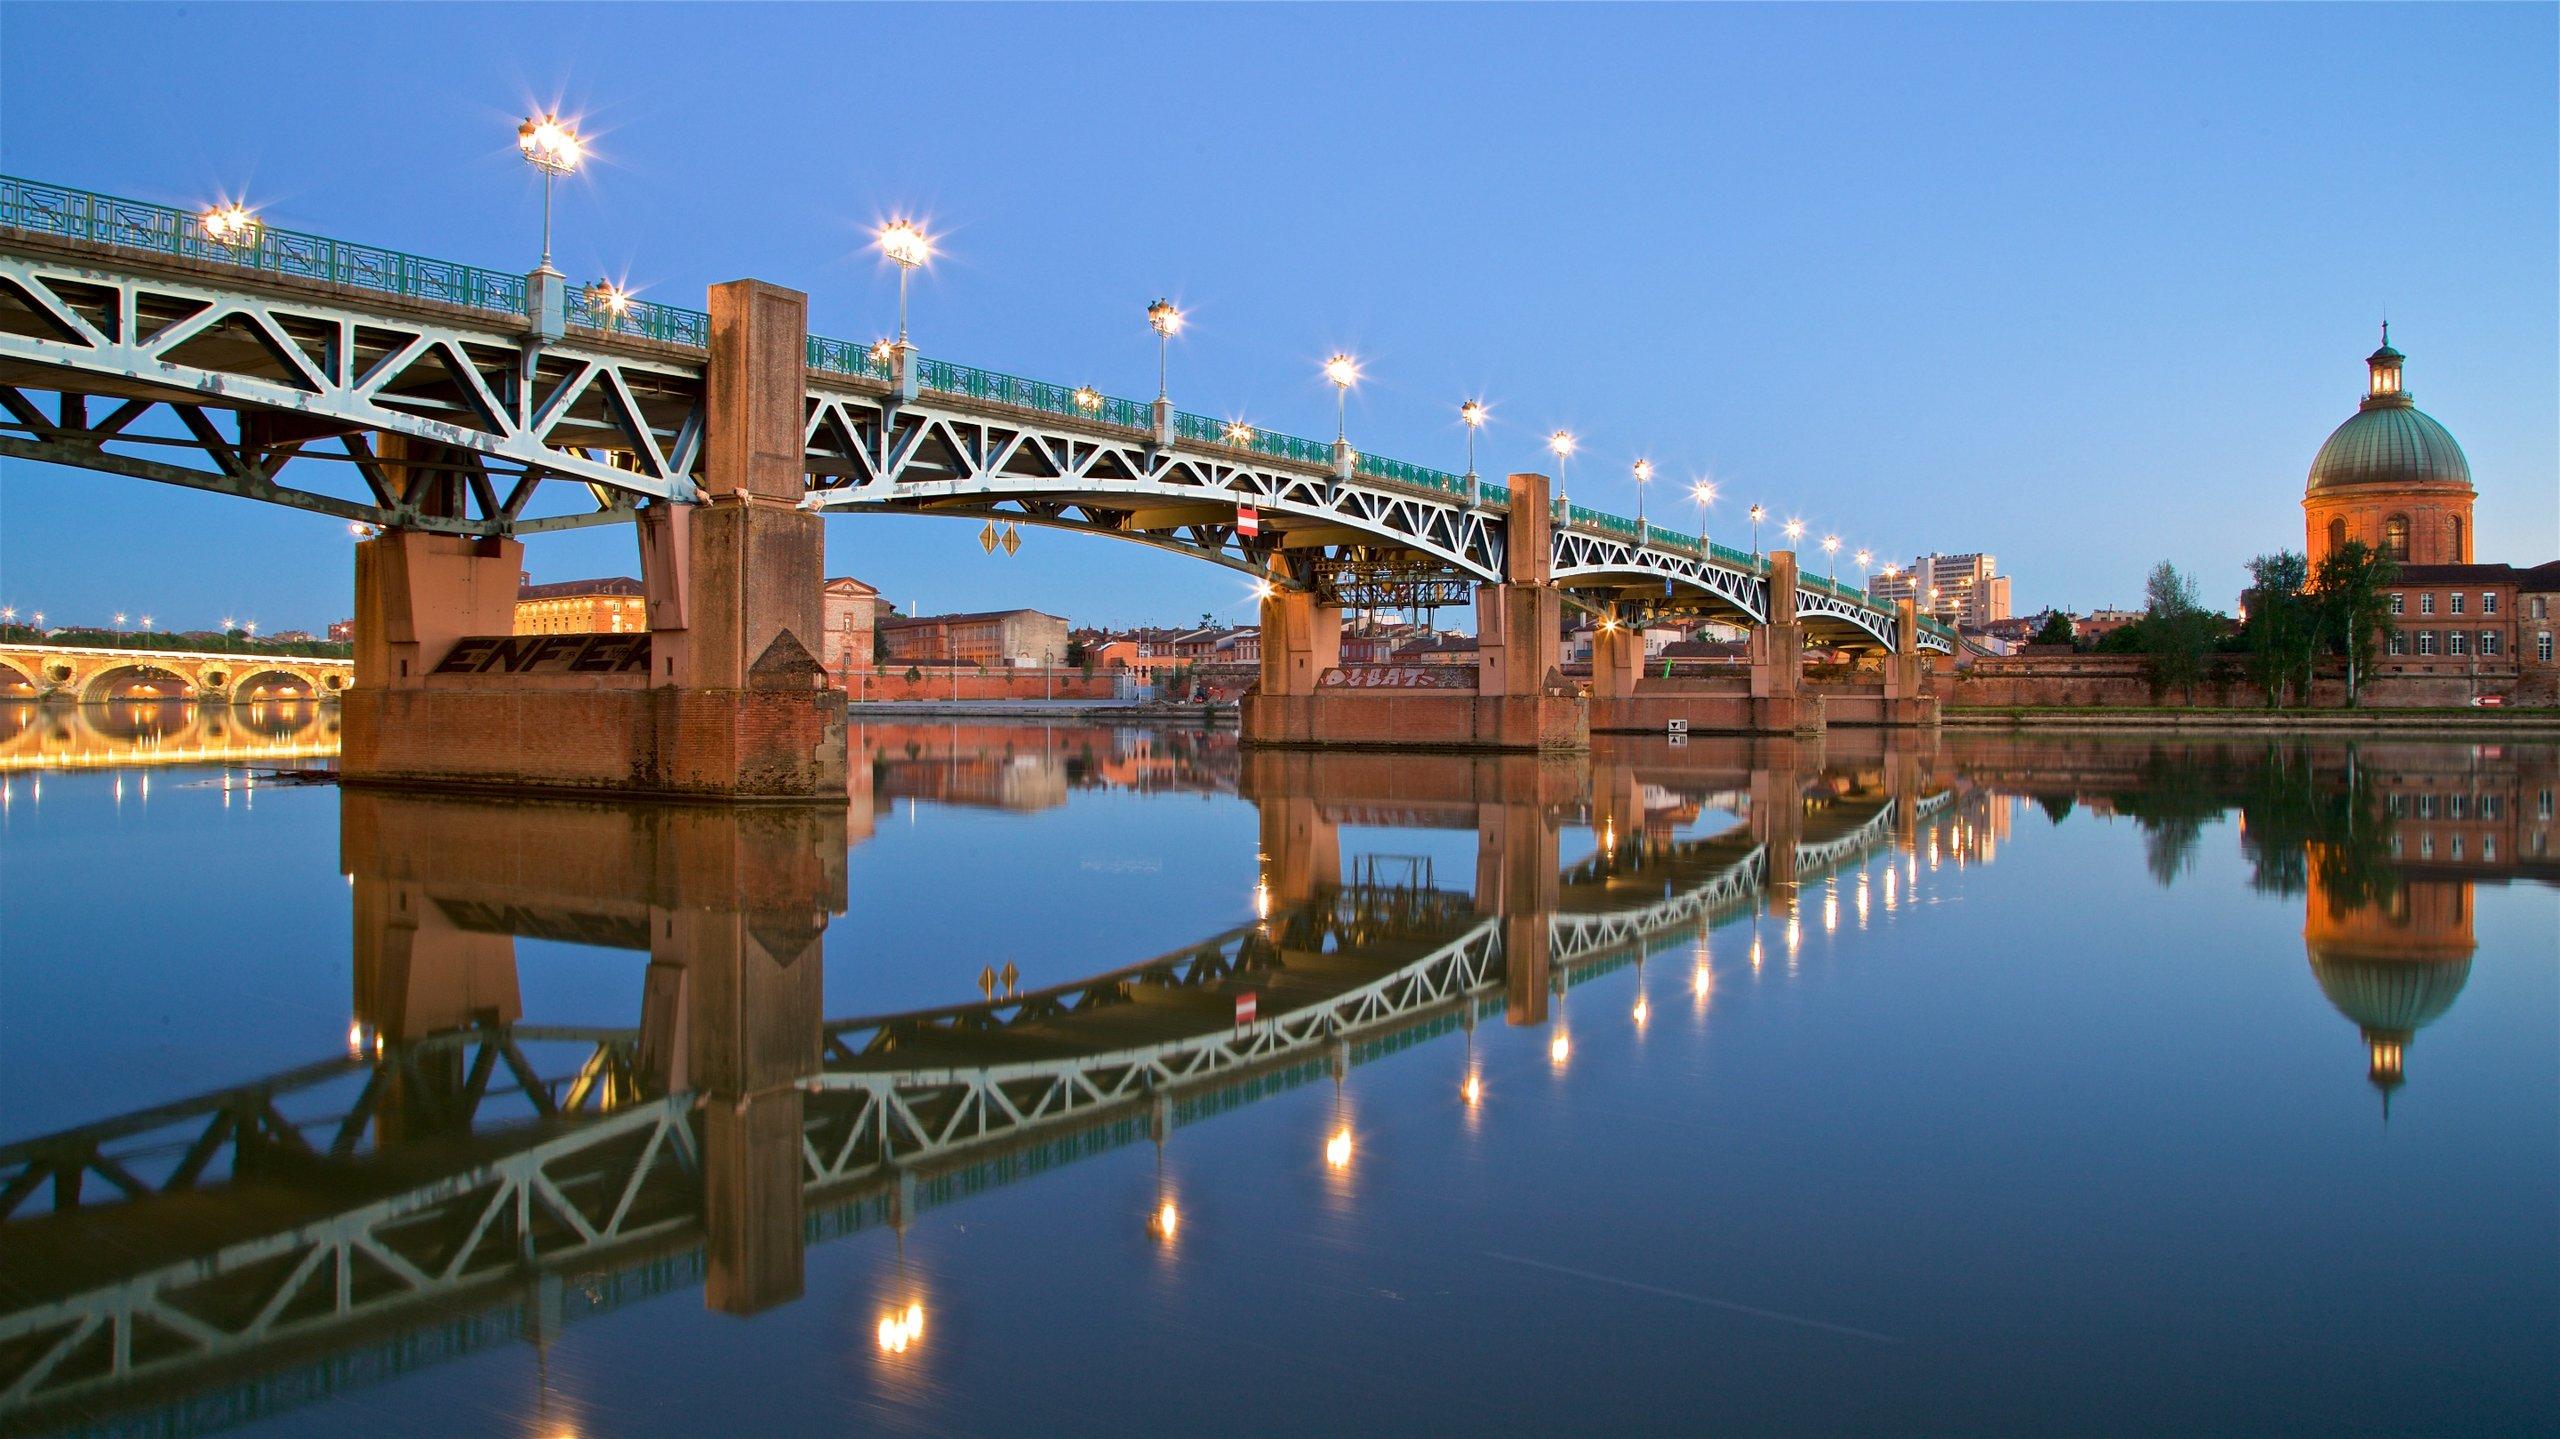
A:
x: 2388, y: 441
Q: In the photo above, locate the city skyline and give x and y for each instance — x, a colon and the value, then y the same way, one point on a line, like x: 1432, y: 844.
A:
x: 1908, y: 360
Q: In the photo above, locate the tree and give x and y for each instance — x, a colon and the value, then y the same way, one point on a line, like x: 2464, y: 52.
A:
x: 2176, y: 632
x: 2056, y: 629
x: 2124, y: 639
x: 2348, y: 595
x: 2283, y: 633
x: 1075, y: 656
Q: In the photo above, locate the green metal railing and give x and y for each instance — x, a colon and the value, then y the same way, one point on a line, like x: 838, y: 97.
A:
x: 164, y: 229
x: 1421, y: 477
x: 167, y: 230
x: 1188, y: 426
x: 646, y: 318
x: 844, y: 357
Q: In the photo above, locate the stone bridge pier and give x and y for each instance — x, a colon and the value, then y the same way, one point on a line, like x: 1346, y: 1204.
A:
x: 1514, y: 699
x: 722, y: 698
x: 1771, y: 697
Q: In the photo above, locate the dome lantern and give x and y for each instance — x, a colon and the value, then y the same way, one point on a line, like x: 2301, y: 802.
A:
x: 2383, y: 369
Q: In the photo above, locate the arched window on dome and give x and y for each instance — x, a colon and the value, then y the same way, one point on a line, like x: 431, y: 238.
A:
x: 2459, y: 557
x: 2337, y: 535
x: 2395, y: 537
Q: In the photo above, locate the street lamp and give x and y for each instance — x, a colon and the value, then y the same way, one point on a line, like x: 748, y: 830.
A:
x: 1166, y: 317
x: 1088, y: 399
x: 907, y: 247
x: 1472, y: 414
x: 1341, y: 371
x: 609, y: 299
x: 1831, y: 547
x: 1644, y: 477
x: 550, y: 144
x: 1239, y: 433
x: 1704, y: 492
x: 1561, y: 443
x: 232, y: 225
x: 1863, y: 557
x: 1794, y: 531
x: 1758, y: 513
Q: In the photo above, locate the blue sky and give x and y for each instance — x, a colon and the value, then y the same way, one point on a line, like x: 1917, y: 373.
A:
x: 2083, y: 286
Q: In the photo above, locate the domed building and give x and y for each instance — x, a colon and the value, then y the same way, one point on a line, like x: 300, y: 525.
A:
x: 2390, y: 477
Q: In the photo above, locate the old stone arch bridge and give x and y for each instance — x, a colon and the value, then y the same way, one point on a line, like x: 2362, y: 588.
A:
x: 98, y: 675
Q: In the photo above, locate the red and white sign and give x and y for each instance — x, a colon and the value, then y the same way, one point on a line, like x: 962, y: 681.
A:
x: 1247, y: 1006
x: 1248, y: 521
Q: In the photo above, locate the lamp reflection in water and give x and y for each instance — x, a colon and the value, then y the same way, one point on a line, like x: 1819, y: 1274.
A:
x: 1642, y: 1011
x: 1831, y: 906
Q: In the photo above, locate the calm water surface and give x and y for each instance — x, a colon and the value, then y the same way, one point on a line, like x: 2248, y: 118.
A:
x: 1085, y: 1081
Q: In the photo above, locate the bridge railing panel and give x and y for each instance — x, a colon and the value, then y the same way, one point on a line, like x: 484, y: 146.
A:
x: 164, y: 229
x: 844, y: 357
x: 645, y: 318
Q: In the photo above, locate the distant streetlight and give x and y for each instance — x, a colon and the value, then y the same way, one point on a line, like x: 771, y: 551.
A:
x: 1560, y: 443
x: 551, y: 145
x: 1863, y: 557
x: 907, y: 247
x: 234, y: 225
x: 1342, y: 372
x: 1088, y: 399
x: 1644, y: 477
x: 1473, y: 415
x: 1166, y: 317
x: 1794, y: 531
x: 1704, y: 492
x: 1758, y: 513
x: 608, y: 298
x: 1831, y: 547
x: 1239, y: 433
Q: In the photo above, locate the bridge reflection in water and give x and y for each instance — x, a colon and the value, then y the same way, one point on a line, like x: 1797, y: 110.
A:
x: 464, y: 1175
x: 38, y: 736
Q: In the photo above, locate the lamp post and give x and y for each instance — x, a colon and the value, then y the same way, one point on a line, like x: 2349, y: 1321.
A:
x: 1644, y: 477
x: 1758, y: 513
x: 119, y: 627
x: 551, y: 145
x: 907, y: 246
x: 233, y: 225
x: 1561, y: 443
x: 1340, y: 370
x: 1166, y: 317
x: 1793, y: 530
x: 1831, y: 547
x: 1704, y: 492
x: 1472, y: 414
x: 1863, y: 557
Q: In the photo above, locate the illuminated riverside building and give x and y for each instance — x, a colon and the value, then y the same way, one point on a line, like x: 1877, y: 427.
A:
x: 582, y: 607
x: 1963, y: 590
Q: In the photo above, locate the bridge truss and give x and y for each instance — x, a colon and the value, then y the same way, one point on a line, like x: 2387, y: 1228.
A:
x: 274, y: 368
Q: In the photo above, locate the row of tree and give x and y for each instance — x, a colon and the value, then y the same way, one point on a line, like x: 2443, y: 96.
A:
x: 2296, y: 614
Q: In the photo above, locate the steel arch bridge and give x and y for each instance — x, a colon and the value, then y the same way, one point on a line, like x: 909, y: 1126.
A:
x: 393, y: 390
x: 593, y: 1179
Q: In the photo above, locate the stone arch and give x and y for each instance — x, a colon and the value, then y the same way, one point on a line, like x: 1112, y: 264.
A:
x: 251, y: 676
x: 96, y: 688
x: 14, y: 673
